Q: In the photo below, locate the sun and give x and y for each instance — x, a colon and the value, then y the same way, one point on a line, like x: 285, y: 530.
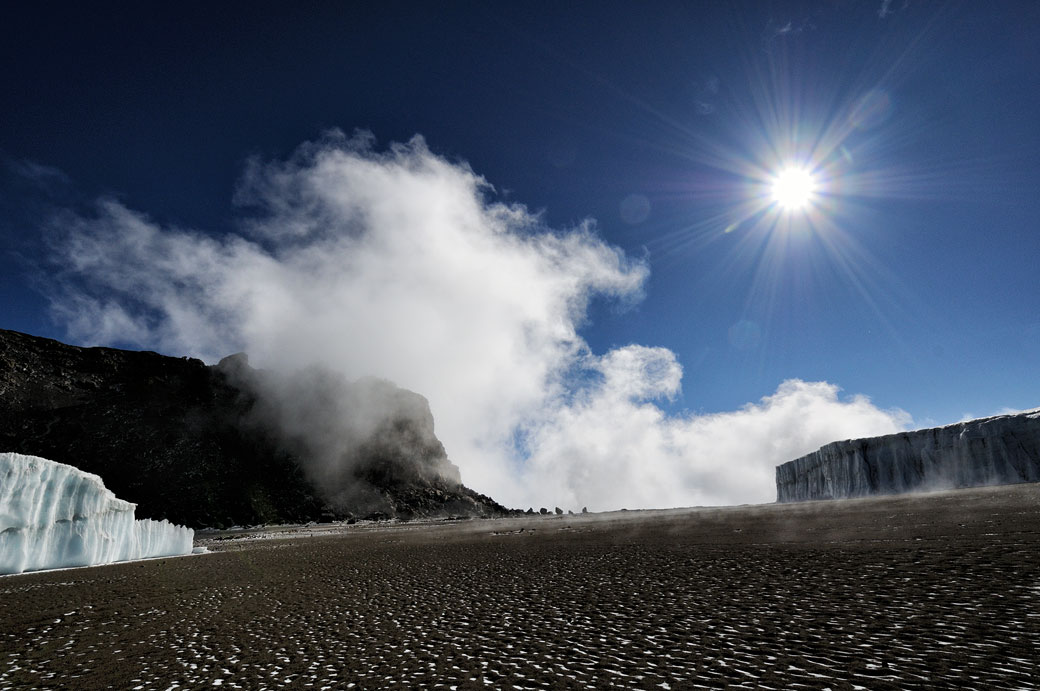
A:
x: 794, y: 188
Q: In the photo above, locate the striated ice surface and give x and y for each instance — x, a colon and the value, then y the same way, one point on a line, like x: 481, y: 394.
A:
x: 990, y: 451
x: 53, y: 515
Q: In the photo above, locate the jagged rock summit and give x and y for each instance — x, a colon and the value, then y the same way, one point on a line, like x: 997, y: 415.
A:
x: 214, y: 446
x: 999, y: 450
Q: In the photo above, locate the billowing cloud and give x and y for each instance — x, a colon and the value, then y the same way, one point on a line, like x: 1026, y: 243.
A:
x: 617, y: 448
x: 401, y: 264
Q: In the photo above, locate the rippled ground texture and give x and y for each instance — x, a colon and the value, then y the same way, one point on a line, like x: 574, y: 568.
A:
x: 897, y: 593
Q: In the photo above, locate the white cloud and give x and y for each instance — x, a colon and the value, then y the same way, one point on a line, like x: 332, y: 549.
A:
x: 400, y: 264
x: 1003, y: 410
x: 612, y: 449
x: 36, y: 174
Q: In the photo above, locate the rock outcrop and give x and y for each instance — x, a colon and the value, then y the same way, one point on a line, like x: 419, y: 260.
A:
x: 990, y: 451
x: 227, y: 444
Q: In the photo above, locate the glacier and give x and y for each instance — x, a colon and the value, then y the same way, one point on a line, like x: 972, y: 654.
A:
x: 999, y: 450
x: 54, y: 516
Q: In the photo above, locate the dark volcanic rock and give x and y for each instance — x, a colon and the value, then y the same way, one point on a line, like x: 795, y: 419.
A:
x: 991, y: 451
x: 216, y: 446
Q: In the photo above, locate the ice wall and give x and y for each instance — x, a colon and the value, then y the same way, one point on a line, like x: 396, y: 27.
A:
x: 53, y: 515
x: 990, y: 451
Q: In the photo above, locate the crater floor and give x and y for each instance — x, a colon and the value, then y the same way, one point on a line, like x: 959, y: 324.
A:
x: 915, y: 591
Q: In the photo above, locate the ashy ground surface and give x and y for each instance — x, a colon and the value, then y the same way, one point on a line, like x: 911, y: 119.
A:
x: 925, y: 592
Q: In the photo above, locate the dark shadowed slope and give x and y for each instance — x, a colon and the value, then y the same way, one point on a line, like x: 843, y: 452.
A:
x: 227, y: 444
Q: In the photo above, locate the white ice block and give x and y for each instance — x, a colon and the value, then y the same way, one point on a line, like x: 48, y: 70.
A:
x: 53, y: 516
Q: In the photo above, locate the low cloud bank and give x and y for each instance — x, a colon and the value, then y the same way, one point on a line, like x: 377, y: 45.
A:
x: 401, y: 264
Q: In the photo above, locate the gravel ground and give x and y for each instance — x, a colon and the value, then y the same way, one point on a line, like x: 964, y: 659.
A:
x: 927, y: 591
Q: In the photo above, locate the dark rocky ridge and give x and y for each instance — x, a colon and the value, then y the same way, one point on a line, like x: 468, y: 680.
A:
x: 213, y: 446
x: 999, y: 450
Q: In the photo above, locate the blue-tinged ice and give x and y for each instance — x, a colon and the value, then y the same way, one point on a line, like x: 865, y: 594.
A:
x: 54, y: 516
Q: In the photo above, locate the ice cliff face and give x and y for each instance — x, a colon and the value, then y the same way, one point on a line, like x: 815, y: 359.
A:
x: 990, y: 451
x: 53, y: 516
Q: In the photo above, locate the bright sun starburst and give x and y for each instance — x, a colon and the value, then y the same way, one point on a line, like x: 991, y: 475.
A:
x: 793, y: 188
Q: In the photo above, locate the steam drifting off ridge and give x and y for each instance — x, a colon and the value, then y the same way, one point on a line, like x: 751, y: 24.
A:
x: 402, y: 265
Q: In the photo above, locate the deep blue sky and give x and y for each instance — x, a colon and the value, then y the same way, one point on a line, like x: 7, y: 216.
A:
x: 915, y: 283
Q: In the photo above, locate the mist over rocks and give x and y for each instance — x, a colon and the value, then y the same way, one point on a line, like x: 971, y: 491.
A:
x: 227, y: 444
x: 353, y: 439
x: 999, y: 450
